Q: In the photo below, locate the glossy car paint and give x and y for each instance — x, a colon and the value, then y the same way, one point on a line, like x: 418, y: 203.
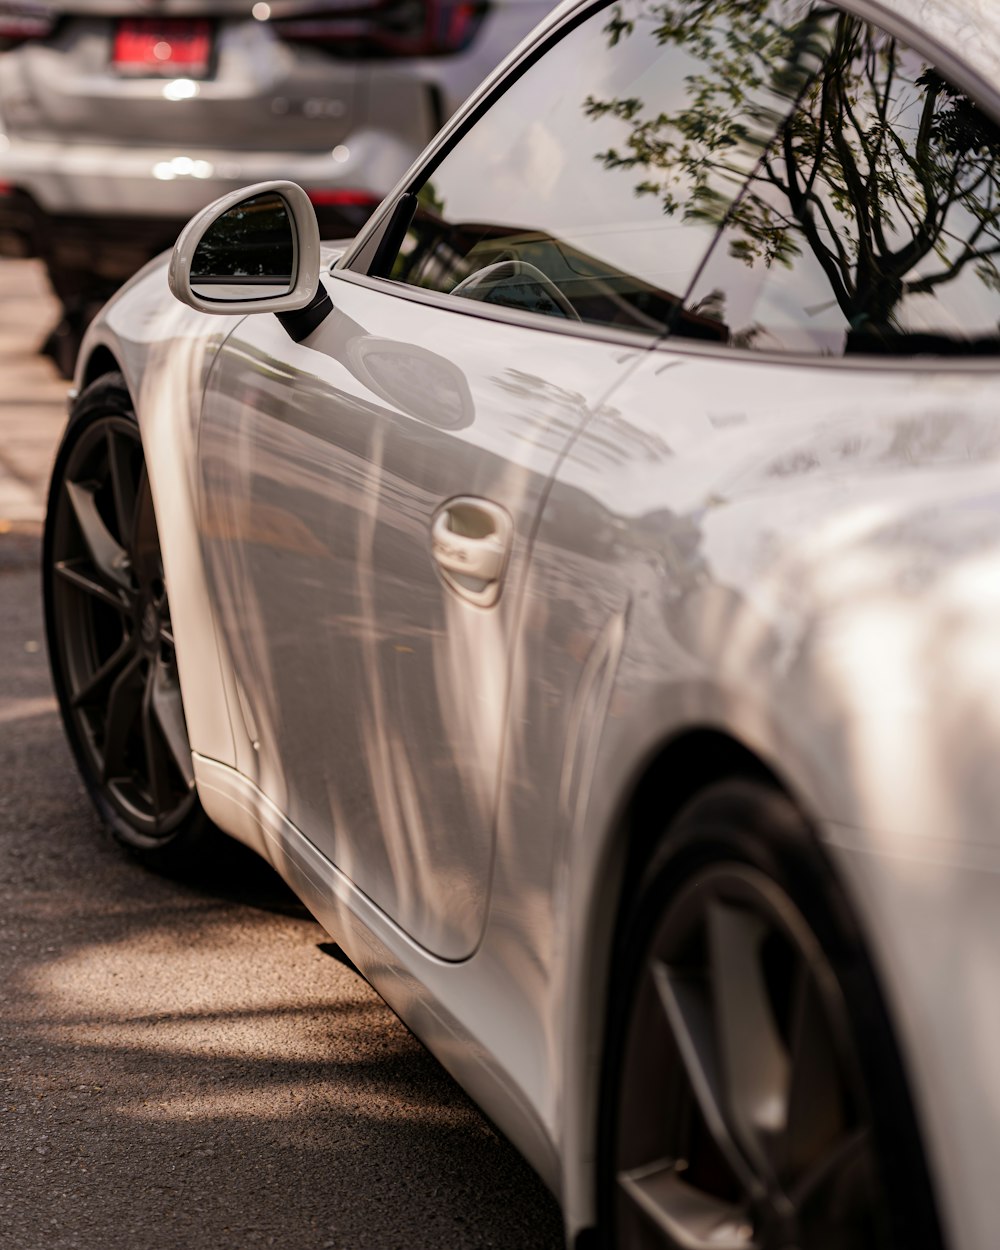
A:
x: 375, y: 692
x: 805, y: 560
x: 800, y: 557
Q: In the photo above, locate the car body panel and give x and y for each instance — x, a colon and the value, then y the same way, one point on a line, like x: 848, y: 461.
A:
x: 374, y: 692
x: 452, y: 1007
x: 812, y: 575
x: 164, y: 352
x: 931, y: 908
x: 970, y: 29
x: 178, y: 182
x: 68, y: 88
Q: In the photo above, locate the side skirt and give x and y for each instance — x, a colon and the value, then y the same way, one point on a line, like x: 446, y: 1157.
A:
x: 416, y: 984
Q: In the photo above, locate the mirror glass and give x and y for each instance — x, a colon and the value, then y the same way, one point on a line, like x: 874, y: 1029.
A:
x: 249, y: 253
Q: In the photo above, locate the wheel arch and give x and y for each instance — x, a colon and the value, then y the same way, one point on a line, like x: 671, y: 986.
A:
x: 100, y: 361
x: 680, y: 769
x: 677, y: 768
x: 205, y: 678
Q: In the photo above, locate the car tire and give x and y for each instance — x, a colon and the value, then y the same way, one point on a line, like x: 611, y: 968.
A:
x: 110, y: 641
x: 753, y: 1096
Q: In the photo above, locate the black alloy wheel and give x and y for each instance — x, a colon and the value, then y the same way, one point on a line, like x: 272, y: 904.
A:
x: 110, y: 640
x: 740, y: 1114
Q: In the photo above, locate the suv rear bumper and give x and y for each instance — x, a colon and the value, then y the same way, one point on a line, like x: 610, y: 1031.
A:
x: 105, y: 211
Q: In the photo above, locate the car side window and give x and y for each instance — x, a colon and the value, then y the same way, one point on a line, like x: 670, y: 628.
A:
x: 591, y: 189
x: 872, y: 225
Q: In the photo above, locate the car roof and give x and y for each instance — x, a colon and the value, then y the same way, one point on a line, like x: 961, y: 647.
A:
x: 969, y: 29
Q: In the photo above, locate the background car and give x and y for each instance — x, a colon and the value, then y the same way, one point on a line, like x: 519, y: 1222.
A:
x: 583, y: 588
x: 118, y: 121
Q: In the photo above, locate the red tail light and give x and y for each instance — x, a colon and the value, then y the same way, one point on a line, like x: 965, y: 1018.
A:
x: 21, y: 22
x: 163, y: 47
x: 389, y: 28
x: 342, y: 211
x: 328, y: 196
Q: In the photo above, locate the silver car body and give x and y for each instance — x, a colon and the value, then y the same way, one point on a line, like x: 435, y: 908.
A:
x: 798, y: 558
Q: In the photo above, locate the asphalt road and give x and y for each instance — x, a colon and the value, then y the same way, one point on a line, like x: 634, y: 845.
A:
x: 189, y: 1065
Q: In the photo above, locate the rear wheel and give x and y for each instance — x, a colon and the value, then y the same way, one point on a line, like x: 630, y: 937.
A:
x: 739, y: 1112
x: 110, y: 637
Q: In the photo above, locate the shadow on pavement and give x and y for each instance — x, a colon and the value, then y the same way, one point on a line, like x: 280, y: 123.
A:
x: 184, y: 1066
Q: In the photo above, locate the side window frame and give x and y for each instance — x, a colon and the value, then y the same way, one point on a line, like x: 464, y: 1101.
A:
x: 375, y: 243
x: 361, y: 257
x: 381, y: 237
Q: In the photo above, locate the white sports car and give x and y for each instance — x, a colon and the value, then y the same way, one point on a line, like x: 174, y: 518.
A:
x: 584, y: 588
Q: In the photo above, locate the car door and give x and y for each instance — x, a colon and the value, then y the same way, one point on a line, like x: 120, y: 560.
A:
x: 369, y: 494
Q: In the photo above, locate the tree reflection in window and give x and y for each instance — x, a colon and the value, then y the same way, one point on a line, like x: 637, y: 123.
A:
x: 756, y: 58
x: 872, y: 222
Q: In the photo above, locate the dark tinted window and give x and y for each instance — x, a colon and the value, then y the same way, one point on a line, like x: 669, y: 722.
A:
x: 873, y: 224
x: 593, y: 187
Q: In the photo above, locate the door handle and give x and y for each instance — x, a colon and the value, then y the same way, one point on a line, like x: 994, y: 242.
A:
x: 470, y: 543
x: 481, y: 558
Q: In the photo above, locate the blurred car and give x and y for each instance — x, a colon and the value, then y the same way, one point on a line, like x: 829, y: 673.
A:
x: 118, y: 121
x: 583, y: 587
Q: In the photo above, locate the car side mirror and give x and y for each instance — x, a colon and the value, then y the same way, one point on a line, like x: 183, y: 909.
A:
x: 254, y: 250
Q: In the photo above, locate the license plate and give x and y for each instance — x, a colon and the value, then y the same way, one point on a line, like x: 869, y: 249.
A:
x: 155, y: 47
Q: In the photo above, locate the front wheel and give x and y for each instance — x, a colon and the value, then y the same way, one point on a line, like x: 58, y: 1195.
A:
x: 740, y: 1109
x: 110, y: 639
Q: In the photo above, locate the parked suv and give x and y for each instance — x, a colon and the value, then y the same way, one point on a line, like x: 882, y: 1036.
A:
x: 118, y: 121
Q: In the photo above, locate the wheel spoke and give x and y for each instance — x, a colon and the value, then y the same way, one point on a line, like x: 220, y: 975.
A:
x: 123, y: 709
x: 121, y: 448
x: 156, y: 764
x: 76, y: 572
x: 815, y: 1106
x: 116, y: 668
x: 168, y: 712
x: 101, y: 679
x: 145, y: 540
x: 688, y: 1010
x: 108, y: 555
x: 848, y: 1153
x: 754, y: 1061
x: 740, y: 1115
x: 687, y: 1217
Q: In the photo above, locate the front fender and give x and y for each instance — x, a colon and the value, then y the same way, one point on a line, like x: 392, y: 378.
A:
x: 165, y: 352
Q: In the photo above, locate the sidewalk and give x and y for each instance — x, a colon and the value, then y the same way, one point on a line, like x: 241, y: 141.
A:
x: 32, y: 395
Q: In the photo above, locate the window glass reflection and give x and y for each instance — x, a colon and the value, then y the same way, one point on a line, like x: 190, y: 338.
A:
x: 593, y: 188
x: 872, y: 225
